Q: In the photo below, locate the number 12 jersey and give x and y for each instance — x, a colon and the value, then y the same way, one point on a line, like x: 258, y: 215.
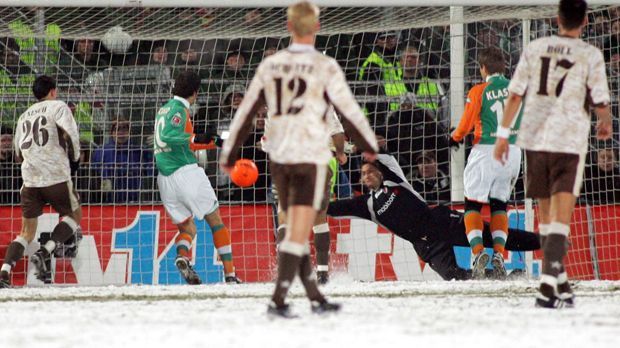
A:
x: 298, y: 85
x: 561, y: 78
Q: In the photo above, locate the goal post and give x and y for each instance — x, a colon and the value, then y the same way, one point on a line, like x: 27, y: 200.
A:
x: 115, y: 62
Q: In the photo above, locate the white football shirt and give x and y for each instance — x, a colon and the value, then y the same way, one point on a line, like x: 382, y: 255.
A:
x: 39, y: 141
x: 561, y: 78
x: 298, y: 85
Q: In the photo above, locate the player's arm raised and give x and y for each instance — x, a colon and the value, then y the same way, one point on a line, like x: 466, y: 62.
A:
x: 355, y: 123
x: 242, y: 122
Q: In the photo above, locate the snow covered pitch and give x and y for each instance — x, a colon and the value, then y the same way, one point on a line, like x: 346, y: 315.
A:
x: 377, y: 314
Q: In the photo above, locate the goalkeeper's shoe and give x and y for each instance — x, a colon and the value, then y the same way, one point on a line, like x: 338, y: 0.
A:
x: 42, y: 261
x: 283, y: 311
x: 5, y: 280
x: 232, y: 279
x: 325, y: 307
x: 480, y: 264
x: 322, y: 277
x: 499, y: 269
x: 188, y: 273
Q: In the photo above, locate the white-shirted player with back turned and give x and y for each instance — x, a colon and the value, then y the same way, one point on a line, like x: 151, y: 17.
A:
x: 298, y: 85
x: 561, y: 77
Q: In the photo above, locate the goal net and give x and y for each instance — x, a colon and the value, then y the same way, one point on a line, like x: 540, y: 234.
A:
x: 115, y: 67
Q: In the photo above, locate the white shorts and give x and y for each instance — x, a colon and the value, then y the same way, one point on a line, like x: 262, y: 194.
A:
x: 187, y: 193
x: 486, y: 178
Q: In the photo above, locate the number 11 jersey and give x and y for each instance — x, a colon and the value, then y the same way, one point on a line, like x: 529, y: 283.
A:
x: 561, y: 78
x: 298, y: 85
x: 39, y: 140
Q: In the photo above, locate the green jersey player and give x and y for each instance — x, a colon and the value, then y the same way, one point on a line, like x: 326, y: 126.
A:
x: 185, y: 189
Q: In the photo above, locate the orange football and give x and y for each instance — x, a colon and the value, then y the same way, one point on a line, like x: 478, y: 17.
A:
x: 244, y: 173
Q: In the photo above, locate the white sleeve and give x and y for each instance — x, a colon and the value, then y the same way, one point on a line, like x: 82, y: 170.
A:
x: 340, y: 96
x: 241, y: 124
x: 597, y: 80
x: 333, y: 123
x: 520, y: 79
x: 64, y: 119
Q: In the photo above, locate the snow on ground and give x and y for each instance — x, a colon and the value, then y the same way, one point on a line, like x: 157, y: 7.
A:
x: 377, y: 314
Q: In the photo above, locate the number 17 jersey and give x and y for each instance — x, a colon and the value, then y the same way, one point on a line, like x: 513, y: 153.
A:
x: 561, y: 78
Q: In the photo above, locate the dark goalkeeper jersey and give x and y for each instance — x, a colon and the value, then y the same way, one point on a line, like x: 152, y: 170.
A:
x: 395, y: 206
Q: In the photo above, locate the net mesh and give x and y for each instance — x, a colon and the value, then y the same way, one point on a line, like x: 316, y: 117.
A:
x: 115, y: 80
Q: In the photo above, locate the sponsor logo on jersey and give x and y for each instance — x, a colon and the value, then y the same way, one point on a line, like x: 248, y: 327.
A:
x: 387, y: 204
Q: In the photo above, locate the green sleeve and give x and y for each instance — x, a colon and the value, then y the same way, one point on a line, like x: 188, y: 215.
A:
x: 173, y: 130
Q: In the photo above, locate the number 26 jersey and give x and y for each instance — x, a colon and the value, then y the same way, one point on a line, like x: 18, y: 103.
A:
x: 298, y: 85
x: 39, y: 140
x: 561, y: 78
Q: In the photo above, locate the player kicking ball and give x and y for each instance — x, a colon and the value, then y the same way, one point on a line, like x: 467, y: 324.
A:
x: 298, y: 85
x: 184, y: 187
x: 486, y: 180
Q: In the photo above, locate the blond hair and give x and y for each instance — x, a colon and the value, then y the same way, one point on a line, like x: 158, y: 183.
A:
x: 304, y: 17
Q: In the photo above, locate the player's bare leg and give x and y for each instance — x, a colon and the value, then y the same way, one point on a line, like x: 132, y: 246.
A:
x: 499, y: 233
x: 187, y: 232
x: 64, y: 230
x: 221, y: 239
x: 474, y: 225
x: 321, y: 245
x: 554, y: 288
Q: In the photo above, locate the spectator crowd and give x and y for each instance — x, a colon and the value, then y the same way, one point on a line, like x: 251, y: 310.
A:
x: 400, y: 78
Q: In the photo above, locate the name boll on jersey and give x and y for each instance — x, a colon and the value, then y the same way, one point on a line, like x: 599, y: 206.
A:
x: 39, y: 140
x: 561, y: 78
x: 298, y: 85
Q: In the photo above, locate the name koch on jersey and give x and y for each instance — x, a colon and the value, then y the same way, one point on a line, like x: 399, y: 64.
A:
x: 298, y: 85
x: 40, y: 142
x: 561, y: 78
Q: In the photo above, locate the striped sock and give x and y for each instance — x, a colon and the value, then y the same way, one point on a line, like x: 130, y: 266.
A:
x: 184, y: 243
x: 473, y: 228
x: 221, y: 239
x: 499, y: 230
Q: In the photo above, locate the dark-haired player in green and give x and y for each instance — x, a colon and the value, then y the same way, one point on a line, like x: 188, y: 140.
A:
x: 185, y: 189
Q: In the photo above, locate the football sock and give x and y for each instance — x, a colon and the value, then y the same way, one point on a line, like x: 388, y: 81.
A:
x: 289, y: 257
x: 61, y: 233
x: 280, y: 233
x: 473, y: 228
x: 499, y: 230
x: 308, y: 279
x: 14, y: 253
x: 554, y: 250
x: 183, y: 242
x: 221, y: 239
x: 321, y: 244
x: 543, y: 231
